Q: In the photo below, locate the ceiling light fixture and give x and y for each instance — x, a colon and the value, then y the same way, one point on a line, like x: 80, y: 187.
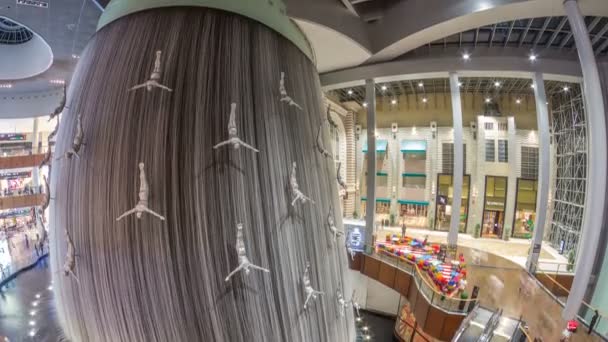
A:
x: 420, y: 84
x: 532, y: 86
x: 32, y: 333
x: 394, y: 101
x: 6, y: 85
x: 532, y: 57
x: 466, y: 56
x: 383, y: 88
x: 518, y: 101
x: 364, y: 104
x: 425, y: 100
x: 488, y: 100
x: 350, y: 92
x: 497, y: 84
x: 460, y: 84
x: 566, y: 88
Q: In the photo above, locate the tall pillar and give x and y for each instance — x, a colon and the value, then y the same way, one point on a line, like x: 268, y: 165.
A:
x: 35, y: 171
x: 542, y: 194
x: 370, y: 205
x: 512, y: 176
x: 458, y: 161
x: 596, y: 168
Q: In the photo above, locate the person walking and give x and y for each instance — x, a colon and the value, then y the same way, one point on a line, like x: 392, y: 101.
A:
x: 594, y: 319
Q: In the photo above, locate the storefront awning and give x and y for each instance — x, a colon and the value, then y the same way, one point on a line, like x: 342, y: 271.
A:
x: 381, y: 146
x: 413, y: 202
x: 413, y: 146
x: 381, y: 173
x: 411, y: 174
x: 383, y: 200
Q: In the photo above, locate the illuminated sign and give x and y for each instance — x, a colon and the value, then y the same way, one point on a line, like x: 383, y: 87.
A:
x: 33, y: 3
x: 12, y: 136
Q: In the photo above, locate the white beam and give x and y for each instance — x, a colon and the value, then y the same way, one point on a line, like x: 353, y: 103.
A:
x: 542, y: 194
x: 370, y: 205
x: 458, y: 161
x: 596, y: 168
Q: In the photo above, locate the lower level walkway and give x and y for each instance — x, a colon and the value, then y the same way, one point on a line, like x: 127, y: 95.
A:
x: 27, y: 310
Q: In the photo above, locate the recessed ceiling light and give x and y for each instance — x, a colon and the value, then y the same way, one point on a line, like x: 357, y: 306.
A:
x: 34, y: 303
x: 383, y: 87
x: 350, y: 92
x: 566, y: 88
x: 497, y: 84
x: 394, y: 102
x: 420, y: 84
x: 532, y: 86
x: 532, y: 57
x: 32, y: 333
x: 518, y: 101
x: 32, y: 323
x: 425, y: 100
x: 32, y: 313
x: 365, y: 104
x: 37, y: 295
x: 488, y: 100
x: 460, y: 84
x: 365, y: 328
x: 6, y: 85
x: 466, y: 56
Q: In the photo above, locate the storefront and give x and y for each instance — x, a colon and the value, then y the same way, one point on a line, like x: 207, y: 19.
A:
x: 383, y: 201
x: 15, y: 183
x: 525, y: 208
x: 443, y: 209
x: 383, y: 208
x: 13, y: 219
x: 413, y: 213
x: 494, y: 207
x: 14, y: 144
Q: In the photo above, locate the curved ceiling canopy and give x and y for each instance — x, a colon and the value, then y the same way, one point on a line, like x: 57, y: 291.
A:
x: 24, y: 53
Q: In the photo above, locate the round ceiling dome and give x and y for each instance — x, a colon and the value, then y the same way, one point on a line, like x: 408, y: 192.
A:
x: 24, y: 53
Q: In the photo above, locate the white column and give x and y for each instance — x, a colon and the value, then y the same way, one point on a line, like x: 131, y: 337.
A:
x: 512, y: 175
x: 35, y: 171
x: 370, y: 205
x: 596, y: 168
x: 542, y: 194
x: 458, y: 160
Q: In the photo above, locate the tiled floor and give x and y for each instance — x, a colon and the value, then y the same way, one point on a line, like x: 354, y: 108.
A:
x: 20, y: 319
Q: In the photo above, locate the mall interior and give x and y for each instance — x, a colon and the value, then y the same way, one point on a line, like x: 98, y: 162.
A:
x: 290, y: 170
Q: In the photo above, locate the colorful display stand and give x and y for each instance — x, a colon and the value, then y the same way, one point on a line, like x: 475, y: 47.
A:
x: 449, y: 276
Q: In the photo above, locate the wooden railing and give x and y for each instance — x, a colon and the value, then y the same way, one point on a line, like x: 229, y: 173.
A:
x: 21, y: 201
x: 18, y: 162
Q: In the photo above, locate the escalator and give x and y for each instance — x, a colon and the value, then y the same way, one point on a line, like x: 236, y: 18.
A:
x: 484, y: 325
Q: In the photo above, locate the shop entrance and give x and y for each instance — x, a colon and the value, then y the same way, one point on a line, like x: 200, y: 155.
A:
x: 492, y: 224
x: 444, y: 209
x: 494, y: 207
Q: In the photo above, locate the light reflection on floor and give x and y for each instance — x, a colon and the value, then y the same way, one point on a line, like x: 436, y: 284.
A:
x: 27, y: 310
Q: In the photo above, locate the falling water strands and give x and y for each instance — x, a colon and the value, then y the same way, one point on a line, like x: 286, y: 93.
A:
x: 233, y: 138
x: 155, y: 76
x: 144, y: 193
x: 69, y: 265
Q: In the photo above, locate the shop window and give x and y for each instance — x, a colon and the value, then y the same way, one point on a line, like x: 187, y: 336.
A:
x: 525, y: 208
x: 502, y: 126
x: 529, y: 162
x: 414, y: 182
x: 382, y: 207
x: 444, y: 209
x: 494, y: 206
x: 490, y: 150
x: 489, y: 126
x: 503, y: 151
x: 447, y: 153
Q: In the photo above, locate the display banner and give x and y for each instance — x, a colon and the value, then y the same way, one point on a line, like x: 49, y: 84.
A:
x: 12, y: 136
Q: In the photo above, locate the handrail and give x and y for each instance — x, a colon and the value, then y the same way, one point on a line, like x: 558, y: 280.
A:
x: 423, y: 278
x: 465, y: 323
x: 528, y: 337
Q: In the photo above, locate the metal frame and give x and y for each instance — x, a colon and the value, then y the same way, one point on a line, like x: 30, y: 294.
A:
x: 570, y: 140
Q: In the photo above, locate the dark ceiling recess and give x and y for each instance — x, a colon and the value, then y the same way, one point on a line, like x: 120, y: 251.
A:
x: 11, y: 33
x: 550, y: 34
x: 491, y: 87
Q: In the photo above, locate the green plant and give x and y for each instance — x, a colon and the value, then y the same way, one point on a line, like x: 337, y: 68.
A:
x: 464, y: 295
x: 477, y: 231
x: 507, y: 233
x: 392, y: 219
x: 355, y: 214
x: 571, y: 261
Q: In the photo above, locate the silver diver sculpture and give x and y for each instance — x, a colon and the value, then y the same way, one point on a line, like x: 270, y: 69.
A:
x: 309, y: 291
x: 295, y: 189
x: 78, y: 140
x: 354, y: 303
x: 325, y: 153
x: 47, y: 158
x: 154, y: 80
x: 331, y: 224
x: 47, y: 194
x: 244, y: 263
x: 144, y: 193
x: 54, y: 132
x: 284, y: 97
x: 339, y: 178
x: 233, y: 138
x: 70, y: 258
x: 342, y: 303
x: 59, y: 109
